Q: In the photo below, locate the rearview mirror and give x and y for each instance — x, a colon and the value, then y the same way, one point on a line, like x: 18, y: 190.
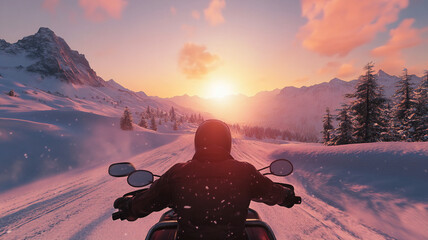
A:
x: 140, y: 178
x: 122, y: 169
x: 281, y: 167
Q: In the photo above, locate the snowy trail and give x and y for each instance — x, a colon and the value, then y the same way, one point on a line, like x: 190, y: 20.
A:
x: 78, y: 204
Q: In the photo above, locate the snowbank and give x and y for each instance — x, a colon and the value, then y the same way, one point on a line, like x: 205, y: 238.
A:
x: 41, y: 143
x: 382, y: 184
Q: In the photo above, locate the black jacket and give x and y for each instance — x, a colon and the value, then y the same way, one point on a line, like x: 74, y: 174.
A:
x: 211, y: 194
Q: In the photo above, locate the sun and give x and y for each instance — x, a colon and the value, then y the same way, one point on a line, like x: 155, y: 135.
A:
x: 219, y: 89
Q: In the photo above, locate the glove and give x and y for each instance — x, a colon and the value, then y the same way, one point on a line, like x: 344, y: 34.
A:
x: 124, y: 206
x: 289, y: 200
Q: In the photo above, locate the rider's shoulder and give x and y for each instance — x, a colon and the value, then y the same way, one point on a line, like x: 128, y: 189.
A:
x: 244, y: 164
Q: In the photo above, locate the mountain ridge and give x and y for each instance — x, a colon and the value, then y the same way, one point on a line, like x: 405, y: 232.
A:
x: 45, y: 61
x: 53, y: 57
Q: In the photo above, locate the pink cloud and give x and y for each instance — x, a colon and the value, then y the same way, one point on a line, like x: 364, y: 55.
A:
x: 336, y: 27
x: 173, y: 10
x: 329, y: 68
x: 346, y: 70
x: 337, y: 69
x: 196, y: 15
x: 195, y: 61
x: 213, y: 13
x: 50, y: 5
x: 100, y: 10
x: 402, y: 37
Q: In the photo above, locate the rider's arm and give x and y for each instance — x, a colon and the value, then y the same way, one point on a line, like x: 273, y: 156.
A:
x: 266, y: 191
x: 156, y: 198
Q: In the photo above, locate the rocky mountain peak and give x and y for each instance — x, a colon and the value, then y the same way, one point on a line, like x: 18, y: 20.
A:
x: 45, y: 31
x: 54, y: 58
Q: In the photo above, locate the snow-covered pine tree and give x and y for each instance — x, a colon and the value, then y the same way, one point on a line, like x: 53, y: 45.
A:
x: 126, y: 120
x: 153, y: 125
x: 172, y: 114
x: 192, y: 118
x: 327, y: 128
x: 143, y: 122
x: 391, y: 134
x: 404, y: 104
x: 418, y: 118
x: 149, y: 111
x: 175, y: 126
x: 344, y: 130
x: 367, y: 108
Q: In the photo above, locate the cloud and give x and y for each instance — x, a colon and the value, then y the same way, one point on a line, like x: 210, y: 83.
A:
x: 195, y: 14
x: 50, y: 5
x: 336, y: 27
x: 195, y: 61
x: 329, y: 68
x: 402, y: 37
x: 173, y: 10
x: 346, y: 70
x: 337, y: 69
x: 213, y: 13
x: 100, y: 10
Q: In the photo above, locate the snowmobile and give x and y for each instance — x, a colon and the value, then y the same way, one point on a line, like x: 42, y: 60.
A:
x: 165, y: 229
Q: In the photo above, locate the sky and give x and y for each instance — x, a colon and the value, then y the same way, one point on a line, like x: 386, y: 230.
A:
x: 212, y: 48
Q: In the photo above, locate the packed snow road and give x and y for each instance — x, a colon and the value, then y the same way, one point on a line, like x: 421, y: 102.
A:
x: 78, y: 204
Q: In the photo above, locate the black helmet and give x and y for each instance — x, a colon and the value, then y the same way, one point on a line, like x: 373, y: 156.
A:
x: 213, y: 133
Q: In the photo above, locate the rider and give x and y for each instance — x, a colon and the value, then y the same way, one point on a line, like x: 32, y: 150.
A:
x: 210, y: 193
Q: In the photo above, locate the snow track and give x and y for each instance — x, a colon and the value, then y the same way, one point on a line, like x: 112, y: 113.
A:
x: 78, y: 204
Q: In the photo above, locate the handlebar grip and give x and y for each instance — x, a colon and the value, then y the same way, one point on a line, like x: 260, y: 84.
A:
x: 119, y: 215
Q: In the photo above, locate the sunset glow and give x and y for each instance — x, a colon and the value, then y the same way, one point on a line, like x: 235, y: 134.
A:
x: 170, y: 48
x: 219, y: 89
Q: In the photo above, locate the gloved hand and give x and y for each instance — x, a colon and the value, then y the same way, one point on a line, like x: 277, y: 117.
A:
x: 124, y: 206
x: 289, y: 200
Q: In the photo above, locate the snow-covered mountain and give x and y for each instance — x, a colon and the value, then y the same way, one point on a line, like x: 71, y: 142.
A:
x: 299, y: 109
x: 46, y: 74
x: 50, y: 55
x: 62, y: 116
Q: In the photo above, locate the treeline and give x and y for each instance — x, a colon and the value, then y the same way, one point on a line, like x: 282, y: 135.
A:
x: 270, y: 133
x: 151, y: 118
x: 371, y: 117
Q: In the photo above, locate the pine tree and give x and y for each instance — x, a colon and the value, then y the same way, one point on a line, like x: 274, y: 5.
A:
x: 391, y: 134
x: 143, y: 122
x: 327, y: 128
x: 344, y: 130
x: 175, y: 126
x: 418, y: 119
x: 404, y: 101
x: 367, y: 108
x: 148, y: 111
x: 126, y: 120
x: 153, y: 125
x: 172, y: 114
